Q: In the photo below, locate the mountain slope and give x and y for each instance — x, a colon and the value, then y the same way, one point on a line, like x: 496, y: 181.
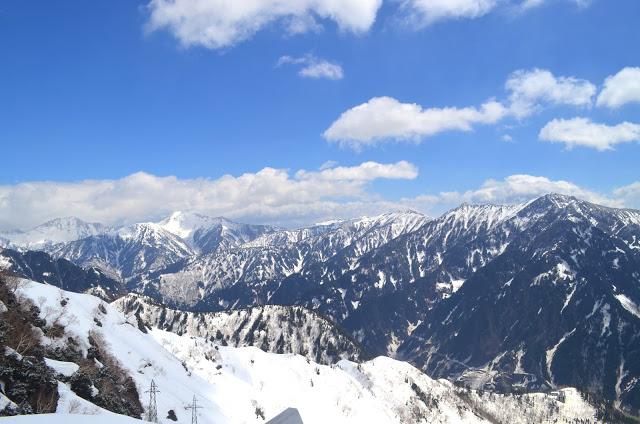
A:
x: 41, y: 267
x: 556, y: 307
x: 248, y: 275
x: 248, y: 385
x: 126, y: 252
x: 278, y: 329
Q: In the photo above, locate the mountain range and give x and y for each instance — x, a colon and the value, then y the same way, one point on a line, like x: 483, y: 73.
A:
x: 527, y: 297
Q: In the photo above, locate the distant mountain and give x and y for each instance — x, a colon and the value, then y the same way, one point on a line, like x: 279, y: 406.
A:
x: 207, y: 235
x: 59, y: 230
x: 277, y: 329
x: 251, y: 273
x: 41, y: 267
x: 127, y: 251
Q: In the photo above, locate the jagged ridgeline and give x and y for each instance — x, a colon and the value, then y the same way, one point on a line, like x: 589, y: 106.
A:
x: 526, y: 297
x: 277, y: 329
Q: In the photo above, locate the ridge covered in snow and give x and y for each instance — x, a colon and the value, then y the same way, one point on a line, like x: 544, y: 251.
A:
x: 246, y: 385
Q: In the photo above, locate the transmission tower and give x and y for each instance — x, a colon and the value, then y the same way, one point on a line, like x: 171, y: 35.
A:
x: 194, y: 410
x: 152, y: 412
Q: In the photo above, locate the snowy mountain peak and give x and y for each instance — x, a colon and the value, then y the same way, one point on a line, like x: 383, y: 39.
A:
x: 184, y: 224
x: 59, y: 230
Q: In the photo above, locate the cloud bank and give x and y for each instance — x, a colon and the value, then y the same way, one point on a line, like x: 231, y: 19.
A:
x: 268, y: 196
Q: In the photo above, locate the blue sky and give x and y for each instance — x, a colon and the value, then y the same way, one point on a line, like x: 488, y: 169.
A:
x: 95, y: 91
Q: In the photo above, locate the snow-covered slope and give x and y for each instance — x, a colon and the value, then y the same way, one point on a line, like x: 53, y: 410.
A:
x: 278, y: 329
x: 246, y: 385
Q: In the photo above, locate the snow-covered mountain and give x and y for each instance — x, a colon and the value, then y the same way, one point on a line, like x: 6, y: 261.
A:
x: 205, y: 234
x: 60, y: 230
x: 41, y: 267
x: 252, y: 272
x: 127, y: 251
x: 242, y: 385
x: 557, y: 306
x: 518, y: 297
x: 272, y: 328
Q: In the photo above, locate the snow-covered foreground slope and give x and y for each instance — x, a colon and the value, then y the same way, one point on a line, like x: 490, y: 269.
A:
x: 70, y: 419
x: 243, y: 385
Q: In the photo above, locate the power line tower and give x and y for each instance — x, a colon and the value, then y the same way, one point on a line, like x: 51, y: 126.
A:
x: 194, y: 410
x: 152, y: 412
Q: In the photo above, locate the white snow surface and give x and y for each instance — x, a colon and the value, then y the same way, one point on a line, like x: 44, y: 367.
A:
x: 65, y: 368
x: 628, y: 304
x: 70, y: 419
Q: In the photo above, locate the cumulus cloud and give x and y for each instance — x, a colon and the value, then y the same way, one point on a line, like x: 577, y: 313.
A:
x: 366, y: 171
x: 270, y: 195
x: 313, y: 67
x: 425, y: 12
x: 530, y: 89
x: 218, y: 24
x: 385, y: 118
x: 586, y: 133
x: 621, y: 88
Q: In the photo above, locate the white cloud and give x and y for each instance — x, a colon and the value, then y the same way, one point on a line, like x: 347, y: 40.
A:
x: 385, y: 118
x: 366, y: 171
x: 313, y: 67
x: 629, y: 194
x: 621, y: 88
x: 531, y: 4
x: 270, y: 195
x: 584, y: 132
x: 531, y: 88
x: 218, y: 24
x: 425, y: 12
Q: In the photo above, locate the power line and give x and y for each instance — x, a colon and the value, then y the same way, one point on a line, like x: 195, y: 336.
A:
x: 194, y: 410
x: 152, y: 412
